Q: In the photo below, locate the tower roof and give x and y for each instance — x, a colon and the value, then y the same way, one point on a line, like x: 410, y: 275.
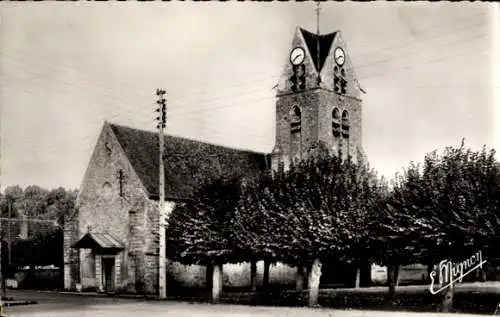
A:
x: 325, y: 42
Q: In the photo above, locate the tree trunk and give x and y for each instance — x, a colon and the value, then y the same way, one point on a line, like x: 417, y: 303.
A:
x: 314, y: 279
x: 447, y: 299
x: 4, y: 288
x: 307, y: 269
x: 265, y: 282
x: 217, y: 283
x: 299, y: 278
x: 430, y: 267
x: 365, y: 274
x: 392, y: 279
x: 357, y: 282
x: 209, y: 276
x: 2, y: 277
x: 396, y: 275
x: 253, y: 275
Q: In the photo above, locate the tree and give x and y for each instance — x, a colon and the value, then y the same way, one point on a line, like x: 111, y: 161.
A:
x: 449, y: 209
x: 316, y: 210
x: 198, y: 231
x: 59, y: 203
x: 45, y: 237
x: 34, y: 200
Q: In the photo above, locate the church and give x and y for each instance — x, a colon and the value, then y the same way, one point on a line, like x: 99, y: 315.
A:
x: 109, y: 239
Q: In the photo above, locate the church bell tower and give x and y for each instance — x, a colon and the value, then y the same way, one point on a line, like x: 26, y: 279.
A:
x: 318, y: 102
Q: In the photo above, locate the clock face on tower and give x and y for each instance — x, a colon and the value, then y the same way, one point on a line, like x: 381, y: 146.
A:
x: 297, y: 56
x: 339, y: 56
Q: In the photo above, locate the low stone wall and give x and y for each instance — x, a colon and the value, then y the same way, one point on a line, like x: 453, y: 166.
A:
x: 43, y: 279
x: 234, y: 275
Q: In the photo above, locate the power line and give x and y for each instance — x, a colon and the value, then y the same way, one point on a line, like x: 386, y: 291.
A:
x: 266, y: 98
x: 189, y: 123
x: 212, y: 99
x: 142, y: 97
x: 29, y: 170
x: 80, y: 106
x: 425, y: 63
x: 260, y: 99
x: 426, y: 39
x: 407, y: 67
x: 426, y: 29
x: 200, y: 110
x: 475, y: 38
x: 137, y: 110
x: 80, y: 87
x: 191, y: 94
x: 121, y: 101
x: 224, y: 97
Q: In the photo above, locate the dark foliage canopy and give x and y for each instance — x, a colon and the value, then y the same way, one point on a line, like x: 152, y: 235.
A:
x: 321, y: 207
x: 324, y: 207
x: 198, y: 231
x: 447, y: 208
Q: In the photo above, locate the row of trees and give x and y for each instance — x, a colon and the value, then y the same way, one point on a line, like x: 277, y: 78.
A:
x: 324, y: 207
x: 36, y: 201
x: 42, y: 211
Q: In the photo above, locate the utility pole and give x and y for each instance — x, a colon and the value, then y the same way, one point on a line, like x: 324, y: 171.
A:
x: 1, y: 277
x: 9, y: 234
x: 162, y: 123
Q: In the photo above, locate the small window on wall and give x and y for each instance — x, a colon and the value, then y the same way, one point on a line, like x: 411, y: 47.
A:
x: 106, y: 189
x: 296, y: 120
x: 121, y: 181
x: 345, y: 124
x: 108, y: 148
x: 336, y: 122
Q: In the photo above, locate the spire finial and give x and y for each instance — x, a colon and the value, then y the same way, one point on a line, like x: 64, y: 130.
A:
x: 318, y: 9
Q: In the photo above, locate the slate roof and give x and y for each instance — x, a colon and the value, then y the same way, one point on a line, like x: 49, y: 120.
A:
x: 325, y: 42
x: 188, y: 163
x: 101, y: 241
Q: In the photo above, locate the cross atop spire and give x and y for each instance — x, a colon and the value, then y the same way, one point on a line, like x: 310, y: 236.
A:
x: 318, y: 9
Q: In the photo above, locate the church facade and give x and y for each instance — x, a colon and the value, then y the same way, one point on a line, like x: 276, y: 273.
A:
x: 109, y: 240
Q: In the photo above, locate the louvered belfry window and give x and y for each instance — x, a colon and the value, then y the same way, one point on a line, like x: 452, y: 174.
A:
x: 336, y: 122
x: 339, y: 80
x: 345, y: 124
x: 296, y: 120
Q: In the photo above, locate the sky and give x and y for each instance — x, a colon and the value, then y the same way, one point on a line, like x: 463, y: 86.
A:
x: 428, y: 70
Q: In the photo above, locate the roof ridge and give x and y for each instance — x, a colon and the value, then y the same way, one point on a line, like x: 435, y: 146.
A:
x: 321, y: 35
x: 325, y: 44
x: 190, y: 162
x: 188, y: 139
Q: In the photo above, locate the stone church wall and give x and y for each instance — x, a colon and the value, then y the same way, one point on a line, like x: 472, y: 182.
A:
x: 110, y: 204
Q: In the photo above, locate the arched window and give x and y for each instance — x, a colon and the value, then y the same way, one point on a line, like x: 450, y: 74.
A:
x: 345, y: 124
x: 296, y: 120
x: 336, y: 122
x: 107, y: 189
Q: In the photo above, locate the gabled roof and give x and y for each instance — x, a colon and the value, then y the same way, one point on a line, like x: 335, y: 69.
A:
x: 99, y: 241
x: 188, y: 163
x: 325, y: 43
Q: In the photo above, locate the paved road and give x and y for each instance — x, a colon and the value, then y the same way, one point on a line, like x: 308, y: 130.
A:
x: 59, y: 305
x: 157, y: 309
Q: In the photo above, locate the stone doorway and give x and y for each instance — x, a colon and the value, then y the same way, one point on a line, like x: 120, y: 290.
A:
x: 108, y: 274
